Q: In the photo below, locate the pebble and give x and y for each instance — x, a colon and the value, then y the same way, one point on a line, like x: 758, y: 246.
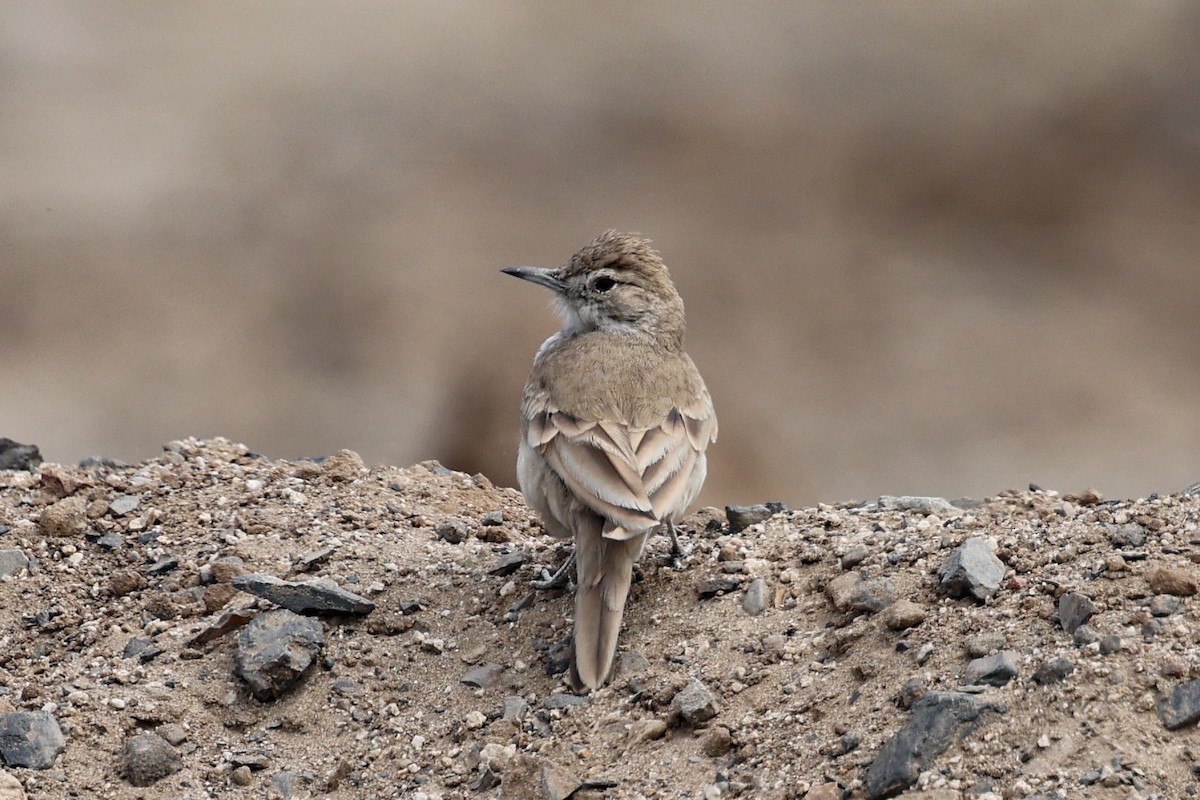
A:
x: 754, y: 601
x: 1110, y: 644
x: 1177, y: 581
x: 12, y: 562
x: 972, y: 570
x: 644, y: 730
x: 275, y: 650
x: 1074, y: 609
x: 508, y: 564
x: 872, y: 595
x: 985, y: 643
x: 484, y: 676
x: 452, y: 531
x: 558, y: 700
x: 923, y: 653
x: 694, y: 703
x: 320, y: 595
x: 922, y: 505
x: 344, y: 465
x: 840, y: 590
x: 124, y: 505
x: 30, y: 739
x: 149, y: 758
x: 475, y: 719
x: 174, y: 733
x: 17, y: 456
x: 1183, y: 708
x: 515, y: 708
x: 1164, y: 605
x: 241, y: 776
x: 825, y: 791
x: 854, y: 556
x: 903, y: 614
x: 67, y: 517
x: 742, y: 517
x: 1055, y: 670
x: 1085, y: 635
x: 533, y: 778
x: 717, y: 586
x: 717, y: 742
x: 994, y: 670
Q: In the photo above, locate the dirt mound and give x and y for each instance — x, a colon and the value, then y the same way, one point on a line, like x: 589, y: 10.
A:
x: 815, y: 652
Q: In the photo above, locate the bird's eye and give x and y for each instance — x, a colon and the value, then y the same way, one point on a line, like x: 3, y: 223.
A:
x: 603, y: 284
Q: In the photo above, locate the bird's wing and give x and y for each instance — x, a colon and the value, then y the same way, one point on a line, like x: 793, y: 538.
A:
x: 631, y: 476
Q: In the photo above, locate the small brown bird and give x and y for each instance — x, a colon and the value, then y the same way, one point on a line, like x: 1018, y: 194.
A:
x: 615, y: 421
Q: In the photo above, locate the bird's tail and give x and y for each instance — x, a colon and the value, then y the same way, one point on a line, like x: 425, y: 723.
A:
x: 604, y: 568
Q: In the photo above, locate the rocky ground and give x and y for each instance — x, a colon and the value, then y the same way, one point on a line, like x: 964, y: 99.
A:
x: 1027, y: 645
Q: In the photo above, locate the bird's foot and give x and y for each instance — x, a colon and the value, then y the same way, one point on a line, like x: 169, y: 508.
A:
x: 561, y: 579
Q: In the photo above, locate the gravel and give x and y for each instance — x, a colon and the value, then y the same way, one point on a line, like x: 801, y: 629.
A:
x: 849, y: 673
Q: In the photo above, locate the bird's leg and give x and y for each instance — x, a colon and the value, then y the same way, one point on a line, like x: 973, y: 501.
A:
x: 679, y: 553
x: 561, y: 579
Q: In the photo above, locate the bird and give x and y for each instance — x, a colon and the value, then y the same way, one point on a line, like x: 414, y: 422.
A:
x: 615, y: 424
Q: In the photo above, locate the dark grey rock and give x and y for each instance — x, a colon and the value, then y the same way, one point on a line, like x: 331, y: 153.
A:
x: 872, y: 595
x: 972, y: 570
x: 111, y: 540
x: 515, y: 708
x: 452, y: 531
x: 1183, y: 707
x: 275, y: 650
x: 14, y: 455
x: 163, y: 565
x: 716, y: 586
x: 409, y: 607
x: 937, y: 720
x: 854, y: 556
x: 12, y: 562
x: 1055, y: 670
x: 755, y: 598
x: 30, y: 739
x: 149, y: 758
x: 508, y: 564
x: 347, y: 687
x: 564, y: 700
x: 1084, y: 635
x: 994, y: 670
x: 307, y: 561
x: 315, y: 596
x: 1128, y: 536
x: 742, y: 517
x: 484, y: 676
x: 558, y: 657
x: 695, y: 703
x: 124, y: 504
x: 254, y: 759
x: 1162, y: 605
x: 493, y: 518
x: 849, y: 741
x: 286, y: 782
x: 1110, y: 644
x: 1074, y: 609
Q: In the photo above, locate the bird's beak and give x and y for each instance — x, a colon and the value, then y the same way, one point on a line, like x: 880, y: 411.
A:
x: 543, y: 276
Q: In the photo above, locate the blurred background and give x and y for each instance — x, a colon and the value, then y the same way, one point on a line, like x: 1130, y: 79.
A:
x: 926, y: 248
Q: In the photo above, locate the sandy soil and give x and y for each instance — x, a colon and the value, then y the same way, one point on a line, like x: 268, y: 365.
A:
x: 804, y: 694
